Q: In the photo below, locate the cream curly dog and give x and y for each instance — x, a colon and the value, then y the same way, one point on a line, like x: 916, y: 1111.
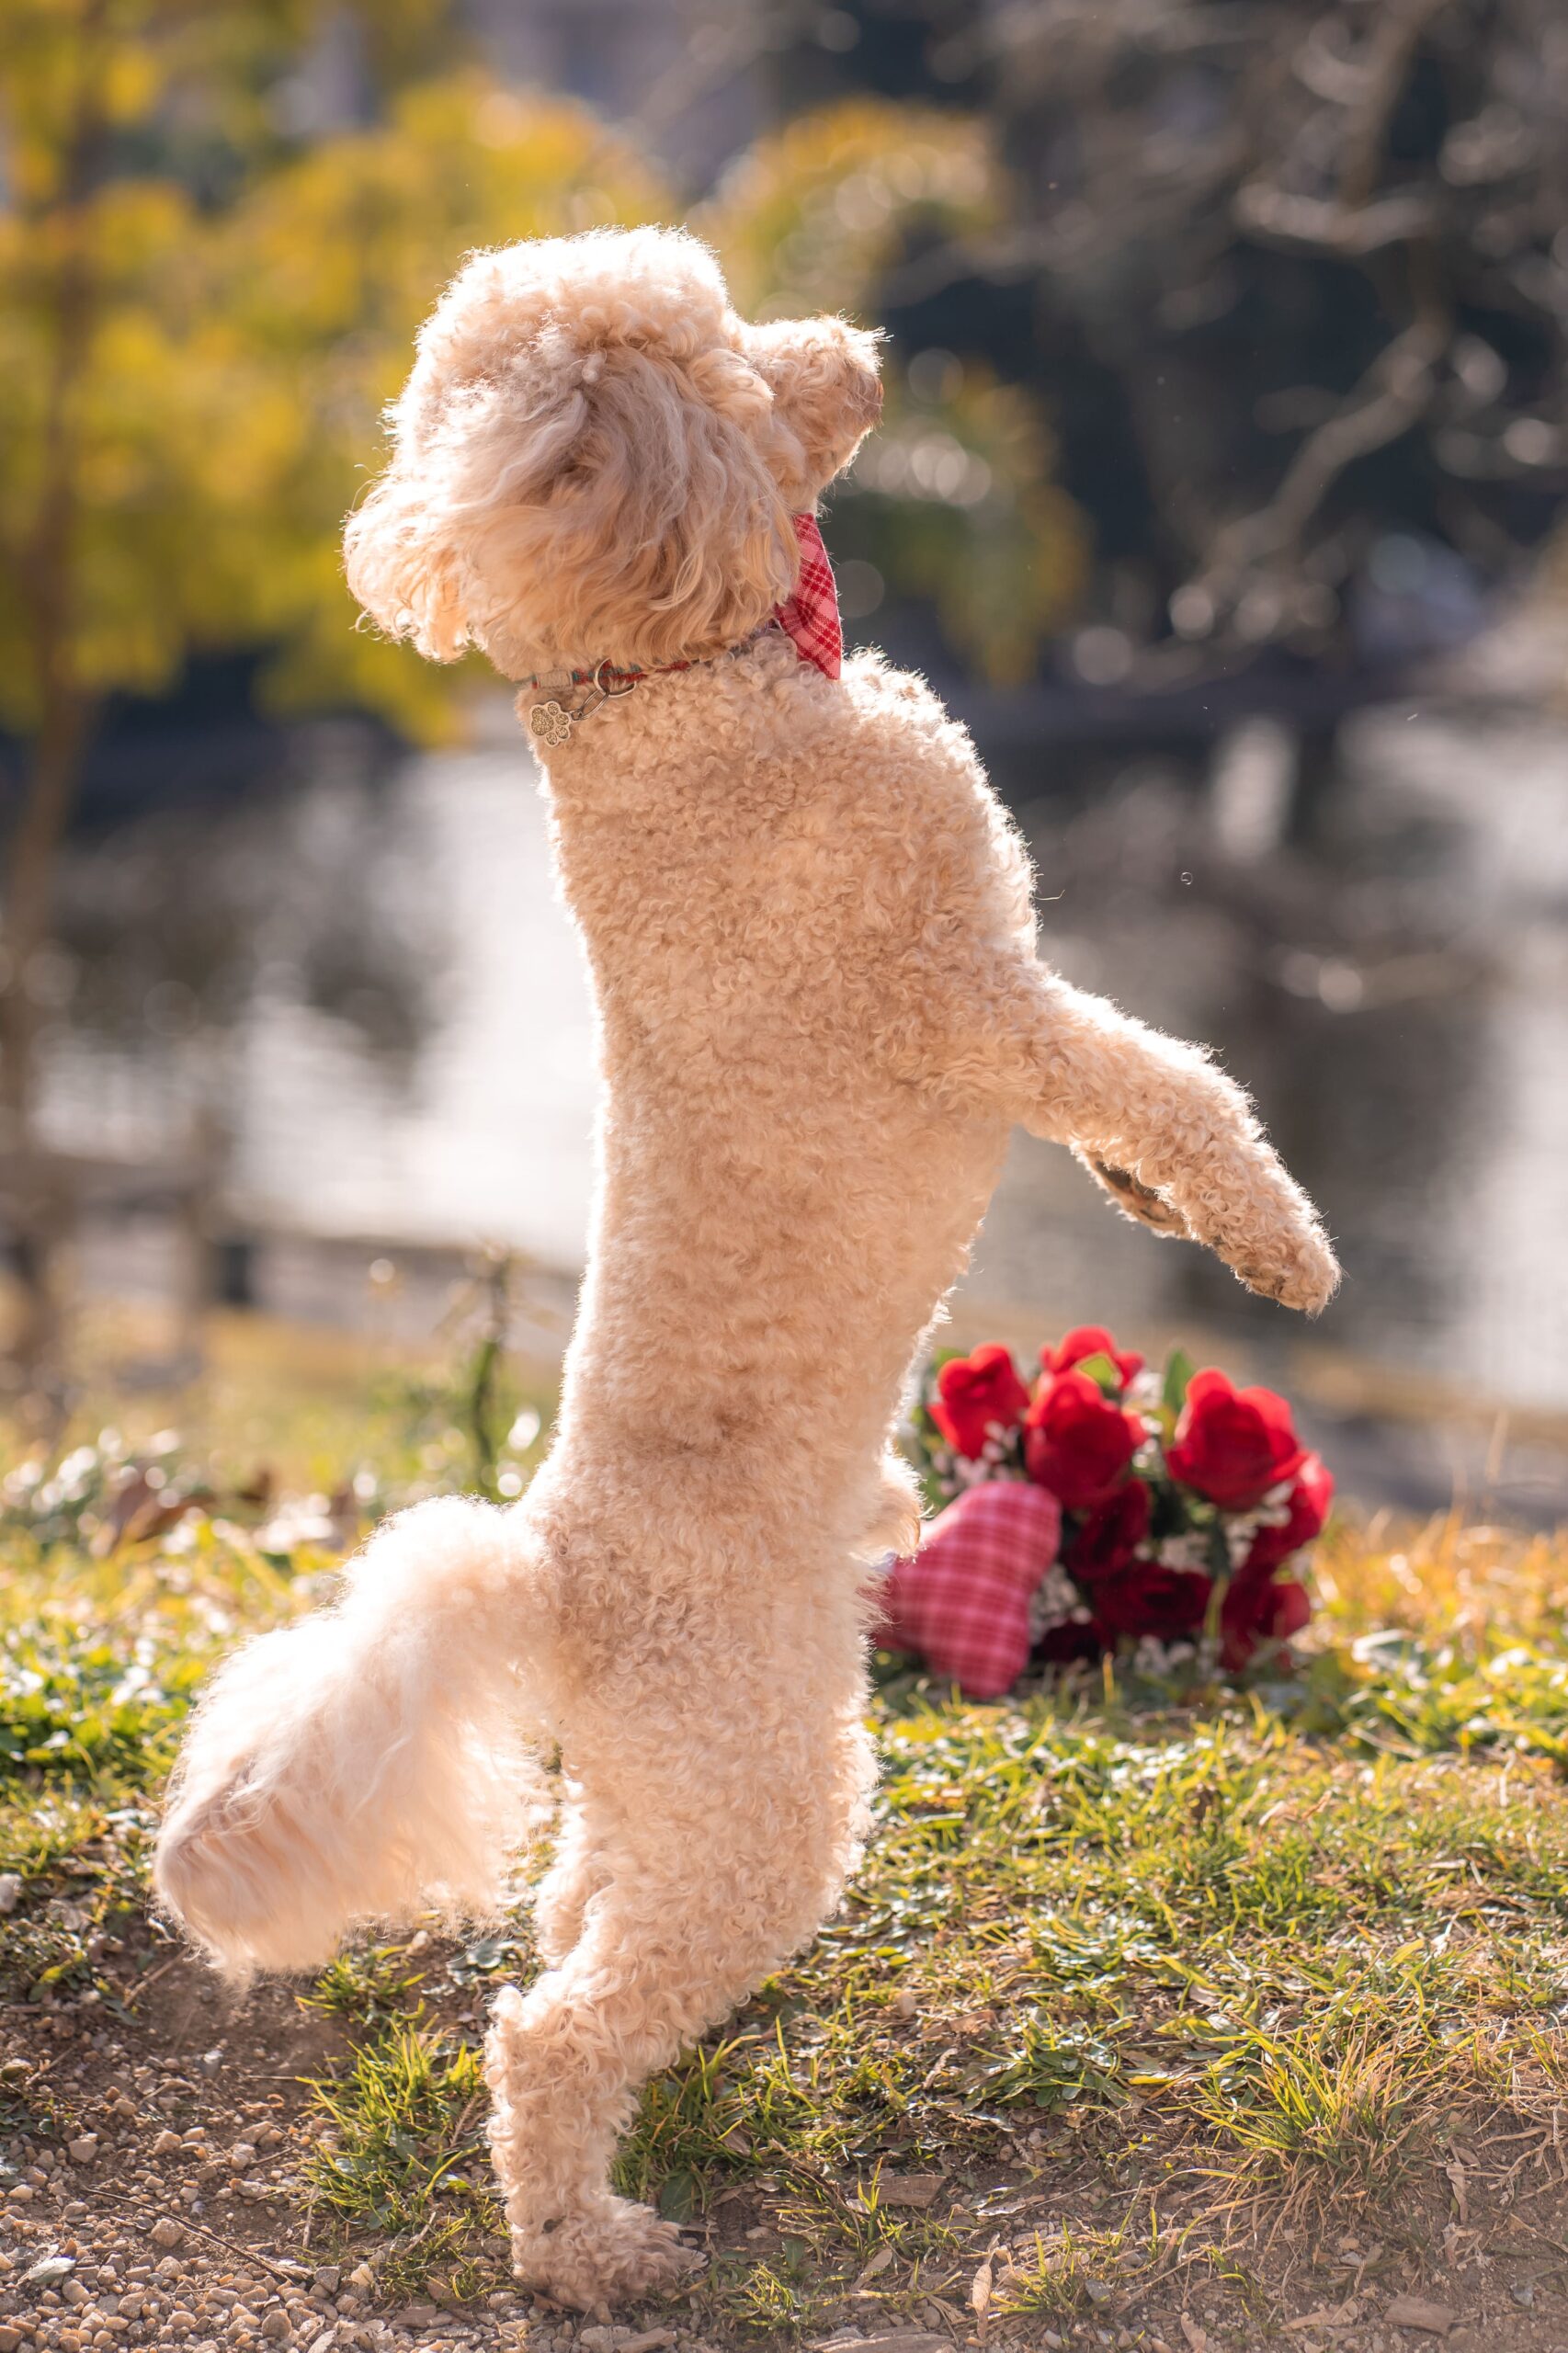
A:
x: 820, y: 1011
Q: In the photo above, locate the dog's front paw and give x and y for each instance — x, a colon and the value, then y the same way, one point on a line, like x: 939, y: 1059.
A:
x: 609, y: 2255
x: 1305, y: 1275
x: 1270, y: 1241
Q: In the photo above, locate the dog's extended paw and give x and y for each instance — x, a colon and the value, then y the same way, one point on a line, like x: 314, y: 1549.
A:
x: 610, y: 2255
x: 1292, y: 1265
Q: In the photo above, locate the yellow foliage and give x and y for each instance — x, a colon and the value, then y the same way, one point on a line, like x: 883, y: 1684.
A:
x: 812, y: 214
x: 188, y: 395
x: 190, y: 391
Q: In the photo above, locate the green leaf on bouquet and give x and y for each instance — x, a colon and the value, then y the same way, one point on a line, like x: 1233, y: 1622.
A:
x: 1101, y: 1369
x: 1180, y: 1370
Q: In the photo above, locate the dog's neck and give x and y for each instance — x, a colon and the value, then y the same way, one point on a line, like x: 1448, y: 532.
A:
x: 553, y: 702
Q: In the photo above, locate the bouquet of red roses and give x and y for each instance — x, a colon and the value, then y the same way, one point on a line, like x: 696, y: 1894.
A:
x: 1103, y: 1506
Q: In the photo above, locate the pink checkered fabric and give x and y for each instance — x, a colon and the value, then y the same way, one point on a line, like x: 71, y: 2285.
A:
x: 811, y: 615
x: 962, y: 1601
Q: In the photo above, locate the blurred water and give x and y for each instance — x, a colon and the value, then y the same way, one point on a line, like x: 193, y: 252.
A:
x: 368, y: 981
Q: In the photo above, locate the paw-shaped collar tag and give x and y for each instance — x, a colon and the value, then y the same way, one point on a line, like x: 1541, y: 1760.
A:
x: 552, y: 721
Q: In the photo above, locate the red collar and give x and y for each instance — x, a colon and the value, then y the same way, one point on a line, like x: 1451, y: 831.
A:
x: 809, y: 615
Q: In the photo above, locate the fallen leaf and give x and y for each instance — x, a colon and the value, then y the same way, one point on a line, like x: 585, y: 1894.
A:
x: 909, y: 2188
x: 904, y: 2340
x: 979, y: 2293
x: 1414, y: 2312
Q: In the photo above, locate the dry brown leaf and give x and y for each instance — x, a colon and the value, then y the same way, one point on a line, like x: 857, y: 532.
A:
x: 1414, y: 2312
x: 980, y: 2293
x: 909, y: 2188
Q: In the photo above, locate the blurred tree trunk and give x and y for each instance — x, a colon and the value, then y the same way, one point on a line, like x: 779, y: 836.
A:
x: 34, y: 1198
x: 64, y: 716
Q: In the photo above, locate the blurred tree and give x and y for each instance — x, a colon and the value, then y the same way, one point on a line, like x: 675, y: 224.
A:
x: 1300, y: 282
x: 196, y: 331
x: 953, y: 501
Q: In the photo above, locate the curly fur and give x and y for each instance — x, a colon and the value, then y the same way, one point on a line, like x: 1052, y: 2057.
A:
x: 820, y: 1008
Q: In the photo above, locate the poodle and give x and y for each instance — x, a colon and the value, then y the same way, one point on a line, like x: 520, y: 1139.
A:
x: 820, y: 1011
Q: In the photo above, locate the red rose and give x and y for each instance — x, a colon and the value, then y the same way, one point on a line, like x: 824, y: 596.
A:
x: 1260, y: 1607
x: 1089, y: 1340
x: 1232, y: 1445
x: 1066, y: 1643
x: 1149, y: 1598
x: 1077, y: 1442
x: 1309, y: 1499
x: 1110, y: 1536
x: 975, y: 1392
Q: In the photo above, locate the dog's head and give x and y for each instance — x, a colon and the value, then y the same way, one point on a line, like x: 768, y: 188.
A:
x: 594, y: 457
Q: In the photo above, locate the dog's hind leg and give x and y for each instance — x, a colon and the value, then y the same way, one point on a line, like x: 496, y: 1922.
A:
x: 577, y: 1873
x: 369, y: 1758
x: 717, y: 1870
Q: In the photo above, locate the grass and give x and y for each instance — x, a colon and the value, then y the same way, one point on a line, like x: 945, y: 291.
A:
x: 1145, y: 1994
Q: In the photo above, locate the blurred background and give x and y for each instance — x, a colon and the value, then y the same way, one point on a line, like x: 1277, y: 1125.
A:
x: 1222, y: 491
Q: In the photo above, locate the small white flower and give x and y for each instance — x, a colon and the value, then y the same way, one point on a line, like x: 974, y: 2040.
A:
x: 1053, y: 1602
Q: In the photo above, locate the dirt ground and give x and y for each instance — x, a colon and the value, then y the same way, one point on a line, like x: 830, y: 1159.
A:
x: 152, y: 2195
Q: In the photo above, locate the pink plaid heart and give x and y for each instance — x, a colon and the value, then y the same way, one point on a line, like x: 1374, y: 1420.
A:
x: 962, y: 1601
x: 811, y: 615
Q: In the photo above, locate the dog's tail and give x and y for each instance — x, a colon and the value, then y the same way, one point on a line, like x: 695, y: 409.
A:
x: 368, y: 1761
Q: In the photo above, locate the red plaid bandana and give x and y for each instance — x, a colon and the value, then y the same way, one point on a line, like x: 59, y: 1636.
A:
x: 962, y: 1601
x: 811, y: 615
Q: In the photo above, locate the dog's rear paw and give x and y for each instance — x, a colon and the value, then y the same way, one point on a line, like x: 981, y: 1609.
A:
x: 610, y: 2255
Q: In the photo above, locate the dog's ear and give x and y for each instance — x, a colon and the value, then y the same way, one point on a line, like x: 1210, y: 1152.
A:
x: 474, y: 454
x: 825, y: 378
x: 590, y: 489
